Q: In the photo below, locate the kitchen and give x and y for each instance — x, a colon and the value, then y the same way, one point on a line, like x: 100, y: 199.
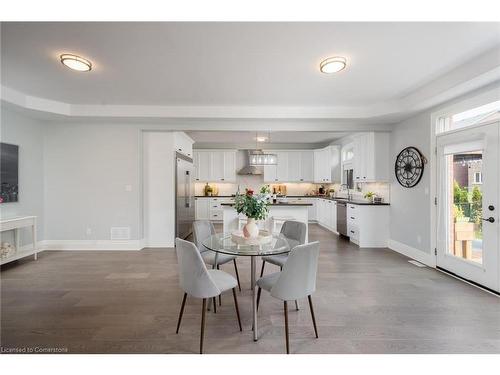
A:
x: 344, y: 184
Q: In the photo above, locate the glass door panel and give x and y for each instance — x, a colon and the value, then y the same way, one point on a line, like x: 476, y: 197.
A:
x: 465, y: 235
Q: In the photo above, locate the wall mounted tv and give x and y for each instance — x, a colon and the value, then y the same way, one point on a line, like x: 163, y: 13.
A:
x: 9, y: 171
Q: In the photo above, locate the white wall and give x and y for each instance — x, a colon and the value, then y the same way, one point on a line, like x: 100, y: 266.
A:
x: 159, y: 189
x: 88, y: 168
x: 411, y: 209
x: 28, y: 134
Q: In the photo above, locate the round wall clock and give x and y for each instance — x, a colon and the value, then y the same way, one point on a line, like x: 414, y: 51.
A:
x: 409, y: 167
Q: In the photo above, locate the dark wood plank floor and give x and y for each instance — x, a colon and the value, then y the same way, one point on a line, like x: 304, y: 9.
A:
x: 368, y: 301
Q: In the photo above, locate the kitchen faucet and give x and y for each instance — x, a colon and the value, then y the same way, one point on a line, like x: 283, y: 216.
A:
x: 348, y: 193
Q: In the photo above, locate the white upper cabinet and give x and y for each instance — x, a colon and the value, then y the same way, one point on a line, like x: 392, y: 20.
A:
x: 371, y: 157
x: 282, y: 166
x: 270, y: 173
x: 183, y: 143
x: 306, y: 166
x: 230, y: 166
x: 215, y: 166
x: 327, y: 165
x: 292, y: 166
x: 202, y: 165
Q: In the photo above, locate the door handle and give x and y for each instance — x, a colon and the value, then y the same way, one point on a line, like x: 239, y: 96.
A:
x: 490, y: 219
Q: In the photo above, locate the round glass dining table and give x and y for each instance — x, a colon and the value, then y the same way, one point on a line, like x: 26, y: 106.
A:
x: 223, y: 243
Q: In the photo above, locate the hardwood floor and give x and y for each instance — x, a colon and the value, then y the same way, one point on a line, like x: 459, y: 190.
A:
x: 367, y: 301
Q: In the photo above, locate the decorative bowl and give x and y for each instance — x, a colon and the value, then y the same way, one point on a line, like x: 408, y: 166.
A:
x: 263, y: 238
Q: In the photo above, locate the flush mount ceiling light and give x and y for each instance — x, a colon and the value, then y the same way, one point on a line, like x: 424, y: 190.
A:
x: 333, y: 64
x: 75, y: 62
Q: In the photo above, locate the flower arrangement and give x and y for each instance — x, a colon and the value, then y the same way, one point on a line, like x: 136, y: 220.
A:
x: 253, y: 206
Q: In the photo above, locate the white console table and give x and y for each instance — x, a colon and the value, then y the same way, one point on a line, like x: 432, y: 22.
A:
x: 16, y: 223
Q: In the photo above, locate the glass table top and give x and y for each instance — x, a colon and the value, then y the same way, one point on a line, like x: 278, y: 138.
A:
x: 223, y: 243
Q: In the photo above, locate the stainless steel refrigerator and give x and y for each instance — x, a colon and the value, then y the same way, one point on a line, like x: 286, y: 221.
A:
x: 184, y: 195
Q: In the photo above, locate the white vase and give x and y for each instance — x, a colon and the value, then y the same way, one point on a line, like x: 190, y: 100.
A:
x: 250, y: 229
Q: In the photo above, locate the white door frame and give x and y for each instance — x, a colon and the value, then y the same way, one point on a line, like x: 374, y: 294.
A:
x: 482, y: 137
x: 486, y: 96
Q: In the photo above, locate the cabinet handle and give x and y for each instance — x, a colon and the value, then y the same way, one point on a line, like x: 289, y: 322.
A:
x: 352, y: 217
x: 222, y: 179
x: 352, y: 231
x: 197, y: 179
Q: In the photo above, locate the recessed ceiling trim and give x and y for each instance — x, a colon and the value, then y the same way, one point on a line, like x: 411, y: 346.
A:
x: 479, y: 73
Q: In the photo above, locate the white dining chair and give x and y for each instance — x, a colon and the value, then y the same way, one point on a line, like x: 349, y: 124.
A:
x: 296, y: 280
x: 199, y: 282
x: 202, y: 229
x: 295, y: 233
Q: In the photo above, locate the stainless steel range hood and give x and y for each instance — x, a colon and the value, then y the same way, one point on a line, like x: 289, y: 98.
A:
x: 250, y: 169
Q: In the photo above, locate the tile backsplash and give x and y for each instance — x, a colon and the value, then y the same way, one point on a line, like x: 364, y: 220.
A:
x: 255, y: 182
x: 381, y: 189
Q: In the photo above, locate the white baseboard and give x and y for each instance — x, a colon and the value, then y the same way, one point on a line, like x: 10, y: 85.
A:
x: 91, y: 245
x: 411, y: 252
x: 158, y: 245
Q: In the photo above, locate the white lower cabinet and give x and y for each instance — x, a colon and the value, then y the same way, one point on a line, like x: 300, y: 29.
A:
x: 201, y: 208
x: 367, y: 225
x: 327, y: 214
x: 207, y: 208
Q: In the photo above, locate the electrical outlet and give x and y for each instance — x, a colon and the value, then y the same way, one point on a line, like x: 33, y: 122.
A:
x: 88, y: 232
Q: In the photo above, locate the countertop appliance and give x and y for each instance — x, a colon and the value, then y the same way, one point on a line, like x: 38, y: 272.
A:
x: 342, y: 218
x: 184, y: 195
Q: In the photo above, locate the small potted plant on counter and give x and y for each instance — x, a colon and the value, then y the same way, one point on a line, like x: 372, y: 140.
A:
x: 254, y: 207
x: 369, y: 196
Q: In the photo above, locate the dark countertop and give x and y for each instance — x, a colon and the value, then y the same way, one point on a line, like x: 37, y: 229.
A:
x: 356, y: 202
x: 282, y: 204
x: 214, y: 196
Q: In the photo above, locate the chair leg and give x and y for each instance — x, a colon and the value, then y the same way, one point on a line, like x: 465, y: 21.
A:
x: 312, y: 314
x: 285, y: 307
x: 215, y: 305
x: 281, y: 268
x: 181, y: 312
x: 220, y: 295
x: 258, y: 297
x: 203, y: 309
x: 262, y: 269
x: 296, y: 305
x: 236, y: 306
x: 237, y: 274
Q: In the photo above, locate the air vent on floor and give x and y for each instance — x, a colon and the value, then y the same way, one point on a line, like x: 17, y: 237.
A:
x: 418, y: 264
x: 120, y: 233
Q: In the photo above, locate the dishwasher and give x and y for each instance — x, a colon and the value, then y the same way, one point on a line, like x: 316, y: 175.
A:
x: 342, y: 218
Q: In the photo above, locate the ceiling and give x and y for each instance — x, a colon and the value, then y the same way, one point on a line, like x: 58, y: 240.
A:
x: 235, y: 64
x: 245, y: 137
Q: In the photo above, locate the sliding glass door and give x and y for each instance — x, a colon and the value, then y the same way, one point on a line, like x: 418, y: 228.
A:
x: 468, y: 197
